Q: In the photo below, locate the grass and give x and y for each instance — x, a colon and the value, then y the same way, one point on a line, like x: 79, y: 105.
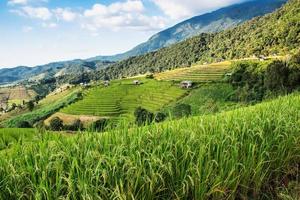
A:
x: 8, y: 137
x: 122, y: 97
x: 198, y: 73
x: 208, y: 99
x: 241, y: 154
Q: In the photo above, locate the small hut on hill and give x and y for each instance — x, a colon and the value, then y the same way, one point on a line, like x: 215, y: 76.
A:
x: 186, y: 84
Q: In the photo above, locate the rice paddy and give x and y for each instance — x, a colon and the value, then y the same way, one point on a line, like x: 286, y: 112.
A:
x: 122, y: 97
x: 199, y: 73
x: 241, y: 154
x: 16, y: 94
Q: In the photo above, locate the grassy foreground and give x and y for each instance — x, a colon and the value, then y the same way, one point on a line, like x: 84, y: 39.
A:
x: 241, y: 154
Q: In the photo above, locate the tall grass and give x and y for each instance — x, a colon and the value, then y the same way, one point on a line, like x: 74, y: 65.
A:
x: 240, y: 154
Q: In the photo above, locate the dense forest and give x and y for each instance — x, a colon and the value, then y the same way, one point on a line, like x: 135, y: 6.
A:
x: 276, y: 33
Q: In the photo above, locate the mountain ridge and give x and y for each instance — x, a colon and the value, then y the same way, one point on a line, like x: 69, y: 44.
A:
x: 211, y: 22
x: 9, y: 75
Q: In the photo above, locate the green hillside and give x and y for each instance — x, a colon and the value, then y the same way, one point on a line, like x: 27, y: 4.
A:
x: 242, y: 154
x: 122, y: 97
x: 275, y: 33
x: 46, y: 107
x: 216, y: 21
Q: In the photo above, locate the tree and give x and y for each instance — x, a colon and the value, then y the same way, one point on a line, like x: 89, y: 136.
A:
x: 99, y: 125
x: 30, y: 105
x: 182, y: 110
x: 160, y: 117
x: 75, y: 126
x: 13, y: 106
x: 276, y: 75
x: 143, y: 116
x: 23, y: 124
x: 56, y: 124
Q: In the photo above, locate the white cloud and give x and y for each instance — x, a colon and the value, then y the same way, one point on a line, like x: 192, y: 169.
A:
x: 49, y: 25
x: 17, y: 2
x: 25, y: 2
x: 27, y: 29
x: 42, y: 13
x: 128, y: 14
x: 65, y: 14
x: 179, y: 9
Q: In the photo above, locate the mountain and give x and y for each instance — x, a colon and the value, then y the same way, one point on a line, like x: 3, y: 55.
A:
x: 56, y: 69
x: 215, y: 21
x: 275, y: 33
x: 210, y: 23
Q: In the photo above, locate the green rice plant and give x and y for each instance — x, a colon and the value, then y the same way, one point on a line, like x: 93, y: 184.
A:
x: 122, y: 97
x: 201, y: 73
x: 209, y: 98
x: 240, y: 154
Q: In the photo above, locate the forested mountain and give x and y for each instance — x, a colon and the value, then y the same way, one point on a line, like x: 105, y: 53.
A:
x: 275, y: 33
x: 215, y: 21
x: 210, y: 23
x: 57, y: 69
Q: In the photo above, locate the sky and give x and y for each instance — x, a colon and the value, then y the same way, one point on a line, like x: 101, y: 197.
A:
x: 35, y: 32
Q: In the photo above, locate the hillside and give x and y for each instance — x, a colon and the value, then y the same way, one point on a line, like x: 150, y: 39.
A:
x: 122, y: 97
x: 247, y: 153
x: 215, y: 21
x: 276, y: 33
x: 69, y: 71
x: 56, y: 69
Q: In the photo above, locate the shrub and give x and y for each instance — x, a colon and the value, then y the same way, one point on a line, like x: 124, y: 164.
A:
x: 182, y: 110
x: 276, y: 75
x: 99, y: 125
x: 77, y: 125
x: 24, y: 124
x: 160, y: 117
x: 150, y: 76
x: 30, y: 105
x: 143, y: 116
x: 56, y: 124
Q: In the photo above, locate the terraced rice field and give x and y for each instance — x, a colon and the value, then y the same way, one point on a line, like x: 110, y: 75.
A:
x: 122, y: 97
x: 200, y: 73
x: 16, y: 94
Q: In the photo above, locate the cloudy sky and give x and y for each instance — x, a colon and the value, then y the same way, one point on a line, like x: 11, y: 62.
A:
x: 36, y: 32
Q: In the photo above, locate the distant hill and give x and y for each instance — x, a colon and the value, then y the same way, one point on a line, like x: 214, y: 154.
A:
x: 215, y: 21
x: 275, y: 33
x: 56, y: 69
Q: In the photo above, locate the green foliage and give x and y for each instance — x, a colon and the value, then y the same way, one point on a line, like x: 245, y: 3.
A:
x: 239, y: 154
x: 99, y: 125
x: 143, y: 116
x: 10, y: 137
x: 120, y: 99
x: 257, y: 80
x: 160, y: 117
x: 77, y: 125
x: 30, y: 105
x: 23, y: 124
x: 56, y: 124
x: 182, y: 110
x: 43, y: 112
x: 209, y: 99
x: 276, y: 33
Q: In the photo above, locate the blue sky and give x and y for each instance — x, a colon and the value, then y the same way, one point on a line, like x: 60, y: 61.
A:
x: 37, y: 32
